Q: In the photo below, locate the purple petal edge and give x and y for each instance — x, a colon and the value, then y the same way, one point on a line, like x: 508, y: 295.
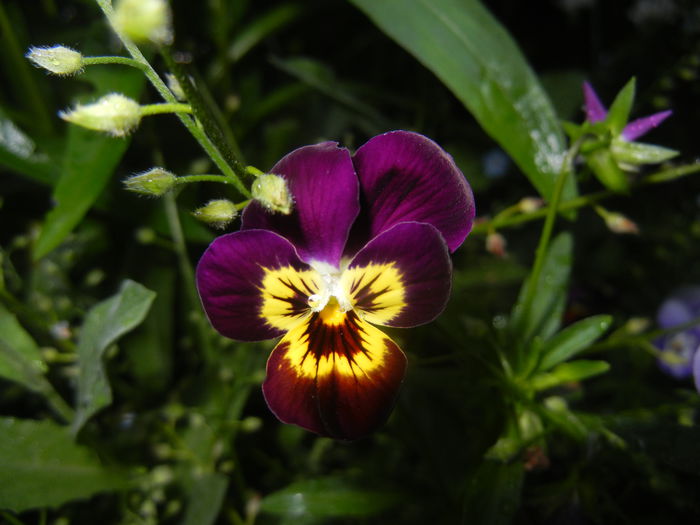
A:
x: 404, y: 177
x: 229, y: 279
x: 641, y: 126
x: 325, y: 189
x: 595, y: 111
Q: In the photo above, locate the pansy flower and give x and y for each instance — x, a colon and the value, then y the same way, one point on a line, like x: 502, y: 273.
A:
x: 680, y: 355
x: 367, y: 244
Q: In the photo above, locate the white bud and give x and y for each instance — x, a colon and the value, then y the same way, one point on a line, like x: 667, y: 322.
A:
x: 217, y: 213
x: 145, y: 20
x: 114, y: 114
x: 272, y: 192
x: 58, y: 60
x: 618, y: 223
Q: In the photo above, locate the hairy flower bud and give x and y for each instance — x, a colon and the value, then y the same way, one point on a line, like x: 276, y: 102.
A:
x: 273, y: 193
x: 58, y: 60
x: 217, y: 213
x: 145, y: 20
x: 618, y: 223
x: 530, y: 204
x: 496, y: 244
x: 155, y: 182
x: 114, y: 114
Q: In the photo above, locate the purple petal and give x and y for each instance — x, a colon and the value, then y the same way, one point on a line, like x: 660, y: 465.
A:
x: 641, y: 126
x: 325, y: 189
x: 696, y: 369
x: 405, y: 176
x: 334, y: 374
x: 595, y: 111
x: 402, y: 277
x: 253, y: 285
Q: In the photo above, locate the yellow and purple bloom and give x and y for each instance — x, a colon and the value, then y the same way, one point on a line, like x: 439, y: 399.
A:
x: 680, y: 356
x: 367, y: 243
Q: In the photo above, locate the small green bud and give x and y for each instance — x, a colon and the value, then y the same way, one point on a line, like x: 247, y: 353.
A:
x: 155, y: 182
x: 273, y: 193
x: 58, y: 60
x: 217, y: 213
x: 145, y: 20
x: 114, y: 114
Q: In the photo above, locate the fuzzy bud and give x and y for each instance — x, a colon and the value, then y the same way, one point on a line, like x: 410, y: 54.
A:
x: 154, y: 182
x: 145, y: 20
x: 273, y: 193
x: 618, y: 223
x: 496, y: 244
x: 59, y: 60
x: 530, y: 204
x: 217, y: 213
x: 114, y: 114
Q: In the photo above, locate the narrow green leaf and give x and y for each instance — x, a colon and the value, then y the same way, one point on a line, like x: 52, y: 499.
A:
x: 493, y: 494
x: 42, y: 467
x: 476, y: 58
x: 606, y: 170
x: 320, y: 77
x: 205, y: 495
x: 267, y: 24
x: 543, y: 317
x: 88, y: 163
x: 619, y: 113
x: 328, y: 498
x: 640, y: 153
x: 104, y: 324
x: 568, y: 372
x: 572, y: 340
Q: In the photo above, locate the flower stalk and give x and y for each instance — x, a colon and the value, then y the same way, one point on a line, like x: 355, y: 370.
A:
x: 153, y: 77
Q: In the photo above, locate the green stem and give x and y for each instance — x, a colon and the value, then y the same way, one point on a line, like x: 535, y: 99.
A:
x: 506, y: 220
x: 187, y: 273
x: 166, y: 107
x: 124, y: 61
x: 186, y: 179
x: 56, y: 401
x: 548, y: 227
x: 168, y: 96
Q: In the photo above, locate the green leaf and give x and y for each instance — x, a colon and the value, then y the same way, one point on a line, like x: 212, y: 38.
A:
x: 569, y: 372
x: 88, y: 163
x: 18, y: 153
x: 255, y: 32
x: 639, y: 153
x: 42, y: 467
x: 104, y: 324
x: 543, y: 317
x: 619, y: 113
x: 20, y: 357
x: 328, y: 498
x: 493, y: 494
x: 606, y: 170
x: 206, y: 495
x: 572, y: 340
x: 476, y: 58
